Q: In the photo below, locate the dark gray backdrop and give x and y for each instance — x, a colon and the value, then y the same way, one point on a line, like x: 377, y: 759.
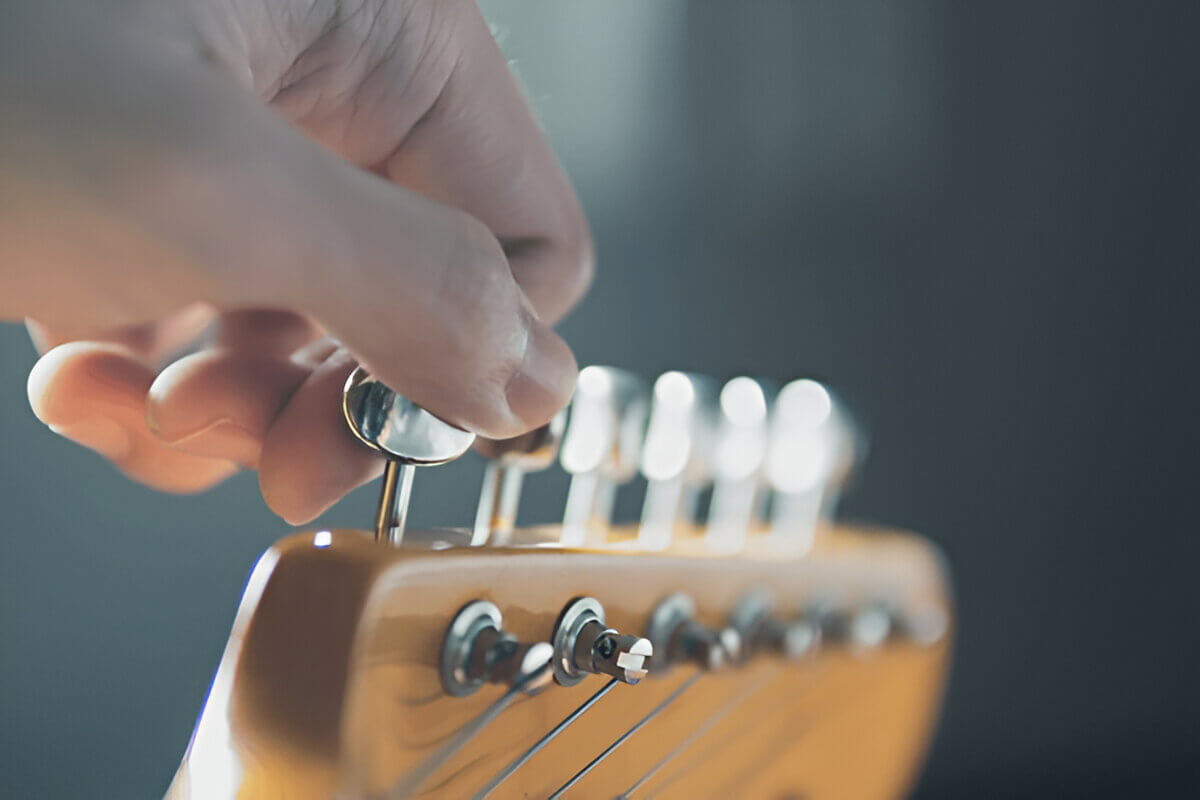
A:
x: 978, y: 221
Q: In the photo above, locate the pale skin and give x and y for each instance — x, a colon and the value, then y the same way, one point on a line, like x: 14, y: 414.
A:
x: 210, y: 210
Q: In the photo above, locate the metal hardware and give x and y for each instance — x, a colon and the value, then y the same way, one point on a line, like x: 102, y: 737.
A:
x: 508, y: 461
x: 477, y: 650
x: 813, y: 449
x: 677, y: 454
x: 584, y: 645
x: 862, y: 628
x: 738, y: 455
x: 600, y: 449
x: 760, y: 630
x: 406, y: 434
x: 676, y: 636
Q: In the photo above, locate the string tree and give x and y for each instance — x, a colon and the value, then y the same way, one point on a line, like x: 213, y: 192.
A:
x: 600, y: 449
x: 676, y: 458
x: 508, y: 461
x: 406, y: 435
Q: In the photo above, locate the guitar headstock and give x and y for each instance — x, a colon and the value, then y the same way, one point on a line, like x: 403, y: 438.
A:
x: 780, y: 656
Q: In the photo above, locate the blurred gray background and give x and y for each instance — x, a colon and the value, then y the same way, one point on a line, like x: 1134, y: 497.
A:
x: 979, y: 221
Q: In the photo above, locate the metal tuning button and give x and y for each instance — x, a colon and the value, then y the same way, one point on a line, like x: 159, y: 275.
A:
x: 407, y: 435
x: 508, y: 461
x: 813, y: 449
x: 677, y: 637
x: 760, y: 630
x: 600, y: 449
x: 738, y: 456
x: 477, y: 650
x: 676, y: 457
x: 584, y: 645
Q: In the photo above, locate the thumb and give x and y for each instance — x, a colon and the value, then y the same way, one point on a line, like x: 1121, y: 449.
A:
x: 421, y: 293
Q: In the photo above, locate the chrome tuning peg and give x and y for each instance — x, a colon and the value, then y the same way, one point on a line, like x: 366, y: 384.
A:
x: 584, y: 645
x: 477, y: 650
x: 677, y: 454
x: 407, y: 435
x: 738, y: 456
x: 813, y: 449
x: 760, y: 630
x: 677, y: 636
x: 508, y: 461
x: 600, y: 448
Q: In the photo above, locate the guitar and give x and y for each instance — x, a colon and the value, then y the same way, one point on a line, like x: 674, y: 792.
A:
x: 763, y: 653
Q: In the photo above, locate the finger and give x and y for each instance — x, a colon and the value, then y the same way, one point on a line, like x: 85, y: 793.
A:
x: 220, y: 402
x: 437, y: 109
x: 421, y: 293
x: 310, y: 460
x: 154, y: 342
x: 94, y: 394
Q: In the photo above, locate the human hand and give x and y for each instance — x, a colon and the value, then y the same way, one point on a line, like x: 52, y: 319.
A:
x: 276, y: 189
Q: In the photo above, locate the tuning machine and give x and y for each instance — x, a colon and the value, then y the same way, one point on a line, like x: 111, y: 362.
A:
x: 814, y: 447
x: 407, y: 435
x: 600, y: 448
x: 738, y: 455
x: 760, y: 630
x: 508, y: 462
x: 477, y: 650
x: 677, y: 636
x: 584, y: 645
x: 677, y: 454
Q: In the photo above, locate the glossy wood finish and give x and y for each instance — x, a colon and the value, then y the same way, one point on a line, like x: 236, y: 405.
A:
x: 329, y: 685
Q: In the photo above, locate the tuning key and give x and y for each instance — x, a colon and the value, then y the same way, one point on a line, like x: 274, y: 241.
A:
x: 738, y: 456
x: 677, y: 454
x: 407, y: 435
x: 508, y: 461
x: 585, y: 645
x: 600, y: 448
x: 677, y: 637
x: 477, y: 650
x: 813, y: 449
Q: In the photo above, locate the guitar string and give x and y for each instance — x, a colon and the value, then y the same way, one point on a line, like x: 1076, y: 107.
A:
x: 713, y: 720
x: 519, y: 762
x: 413, y: 780
x: 710, y: 752
x: 620, y: 740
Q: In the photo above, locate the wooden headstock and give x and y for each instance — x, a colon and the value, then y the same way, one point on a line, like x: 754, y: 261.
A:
x: 758, y: 656
x: 331, y: 684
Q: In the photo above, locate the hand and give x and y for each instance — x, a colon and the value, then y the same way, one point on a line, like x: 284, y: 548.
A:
x: 213, y: 209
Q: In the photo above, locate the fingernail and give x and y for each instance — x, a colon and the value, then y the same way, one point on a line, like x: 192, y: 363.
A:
x: 544, y: 383
x: 105, y: 436
x: 222, y: 439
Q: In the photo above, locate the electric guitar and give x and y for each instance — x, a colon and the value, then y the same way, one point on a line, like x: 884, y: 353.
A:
x: 752, y: 649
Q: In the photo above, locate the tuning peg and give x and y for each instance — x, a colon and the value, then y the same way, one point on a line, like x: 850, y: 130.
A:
x: 407, y: 435
x: 813, y: 448
x: 477, y: 650
x: 738, y: 456
x: 677, y: 454
x: 760, y: 629
x: 677, y: 636
x: 584, y: 645
x: 600, y: 448
x: 508, y: 461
